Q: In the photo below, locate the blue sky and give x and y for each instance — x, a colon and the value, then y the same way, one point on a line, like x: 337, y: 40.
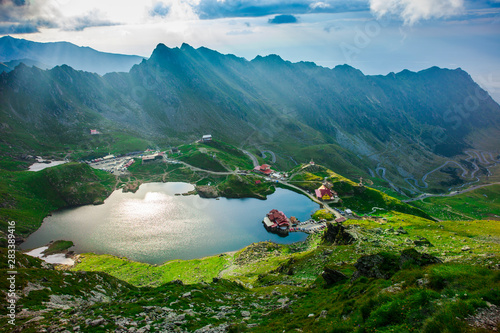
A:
x: 376, y: 36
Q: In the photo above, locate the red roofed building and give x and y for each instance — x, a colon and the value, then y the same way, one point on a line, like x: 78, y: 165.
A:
x: 278, y: 219
x: 264, y: 168
x: 325, y: 194
x: 340, y: 219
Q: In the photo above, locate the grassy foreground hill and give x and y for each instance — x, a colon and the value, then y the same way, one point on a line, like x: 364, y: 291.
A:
x: 388, y: 279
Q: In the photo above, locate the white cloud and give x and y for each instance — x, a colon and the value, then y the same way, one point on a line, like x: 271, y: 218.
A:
x: 319, y: 4
x: 412, y: 11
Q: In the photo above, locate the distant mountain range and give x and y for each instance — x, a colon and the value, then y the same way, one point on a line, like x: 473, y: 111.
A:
x: 10, y: 65
x: 48, y: 55
x: 402, y: 124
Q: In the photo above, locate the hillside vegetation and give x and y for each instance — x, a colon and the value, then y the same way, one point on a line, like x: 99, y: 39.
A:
x: 361, y: 199
x: 405, y: 274
x: 30, y: 196
x: 482, y: 203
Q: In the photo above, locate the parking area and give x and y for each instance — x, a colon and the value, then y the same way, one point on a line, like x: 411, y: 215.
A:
x: 114, y: 164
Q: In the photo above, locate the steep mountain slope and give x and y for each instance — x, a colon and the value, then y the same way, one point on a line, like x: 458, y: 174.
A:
x: 60, y: 53
x: 402, y: 124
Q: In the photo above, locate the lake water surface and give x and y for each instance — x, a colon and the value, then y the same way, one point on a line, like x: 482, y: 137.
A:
x: 153, y: 225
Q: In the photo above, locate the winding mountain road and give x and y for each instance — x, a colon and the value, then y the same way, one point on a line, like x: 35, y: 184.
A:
x: 472, y: 188
x: 480, y: 157
x: 252, y: 157
x: 273, y: 156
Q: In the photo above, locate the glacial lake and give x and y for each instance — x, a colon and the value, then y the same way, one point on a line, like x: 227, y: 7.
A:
x: 154, y: 225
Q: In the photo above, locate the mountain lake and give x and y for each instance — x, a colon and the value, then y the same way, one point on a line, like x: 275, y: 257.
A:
x: 154, y: 225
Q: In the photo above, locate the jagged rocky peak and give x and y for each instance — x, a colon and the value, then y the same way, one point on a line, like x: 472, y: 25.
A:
x: 163, y: 51
x: 270, y: 59
x: 348, y: 69
x: 187, y: 47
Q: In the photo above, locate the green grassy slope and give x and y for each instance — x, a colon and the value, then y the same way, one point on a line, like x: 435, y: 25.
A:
x: 361, y: 200
x: 482, y: 203
x: 140, y: 274
x: 214, y: 156
x: 285, y: 288
x: 30, y: 196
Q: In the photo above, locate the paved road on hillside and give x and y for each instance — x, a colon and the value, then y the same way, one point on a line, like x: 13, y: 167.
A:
x: 273, y: 156
x: 313, y: 198
x: 252, y: 157
x: 423, y: 196
x: 193, y: 168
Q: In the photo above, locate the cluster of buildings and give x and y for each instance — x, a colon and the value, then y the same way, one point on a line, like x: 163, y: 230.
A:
x: 276, y: 221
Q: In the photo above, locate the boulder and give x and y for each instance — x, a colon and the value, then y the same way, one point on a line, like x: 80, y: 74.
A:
x: 422, y: 241
x: 413, y: 257
x: 332, y: 276
x: 177, y: 282
x: 337, y: 234
x: 380, y: 266
x: 384, y: 265
x: 402, y: 231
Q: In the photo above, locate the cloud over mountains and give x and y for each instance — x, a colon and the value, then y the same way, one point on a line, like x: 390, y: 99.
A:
x: 22, y: 17
x: 412, y: 11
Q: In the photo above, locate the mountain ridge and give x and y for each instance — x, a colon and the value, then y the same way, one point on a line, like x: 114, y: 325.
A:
x: 59, y: 53
x: 402, y: 122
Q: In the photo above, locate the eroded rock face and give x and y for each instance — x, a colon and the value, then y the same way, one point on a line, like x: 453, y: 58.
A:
x: 333, y: 276
x: 337, y: 234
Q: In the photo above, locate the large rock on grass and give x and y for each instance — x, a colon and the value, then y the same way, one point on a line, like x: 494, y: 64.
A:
x: 332, y: 276
x: 380, y: 266
x: 383, y: 265
x: 411, y: 257
x: 337, y: 234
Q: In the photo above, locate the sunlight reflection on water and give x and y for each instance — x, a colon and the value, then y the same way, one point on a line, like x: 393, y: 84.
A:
x: 153, y: 225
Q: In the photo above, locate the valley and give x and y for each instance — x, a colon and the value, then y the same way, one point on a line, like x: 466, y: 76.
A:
x: 266, y: 286
x: 195, y: 191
